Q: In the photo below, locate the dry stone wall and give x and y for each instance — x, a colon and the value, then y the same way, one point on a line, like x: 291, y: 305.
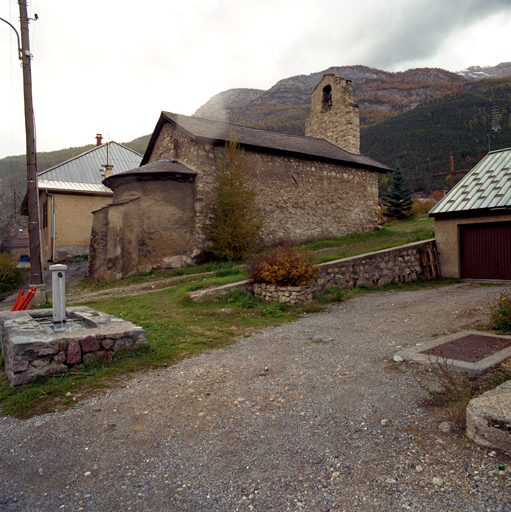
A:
x: 397, y: 265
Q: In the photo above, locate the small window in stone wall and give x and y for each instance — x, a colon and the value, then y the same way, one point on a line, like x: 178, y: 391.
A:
x: 327, y: 99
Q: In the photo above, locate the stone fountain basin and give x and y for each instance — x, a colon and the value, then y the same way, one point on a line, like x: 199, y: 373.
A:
x: 30, y: 351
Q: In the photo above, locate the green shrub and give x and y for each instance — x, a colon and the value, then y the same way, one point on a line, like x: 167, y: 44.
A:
x: 500, y: 314
x: 332, y: 294
x: 10, y: 276
x: 421, y: 208
x: 243, y: 299
x: 273, y: 309
x: 283, y: 266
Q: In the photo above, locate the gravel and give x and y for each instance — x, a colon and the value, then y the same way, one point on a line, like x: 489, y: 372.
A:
x: 309, y: 416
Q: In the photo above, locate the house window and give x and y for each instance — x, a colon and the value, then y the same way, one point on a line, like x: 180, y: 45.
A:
x: 326, y: 105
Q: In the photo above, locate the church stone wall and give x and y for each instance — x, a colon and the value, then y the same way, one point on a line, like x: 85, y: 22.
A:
x: 301, y: 200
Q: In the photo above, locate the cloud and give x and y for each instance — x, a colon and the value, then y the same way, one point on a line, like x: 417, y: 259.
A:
x: 112, y: 67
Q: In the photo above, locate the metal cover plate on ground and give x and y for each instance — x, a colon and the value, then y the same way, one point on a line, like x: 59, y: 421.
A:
x: 466, y: 351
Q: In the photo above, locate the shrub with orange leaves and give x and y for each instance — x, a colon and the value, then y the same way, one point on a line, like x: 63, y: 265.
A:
x: 283, y: 266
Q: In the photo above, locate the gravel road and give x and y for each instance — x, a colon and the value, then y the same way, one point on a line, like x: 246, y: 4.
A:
x: 308, y: 416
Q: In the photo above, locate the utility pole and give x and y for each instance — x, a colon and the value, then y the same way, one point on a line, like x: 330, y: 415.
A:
x: 36, y: 266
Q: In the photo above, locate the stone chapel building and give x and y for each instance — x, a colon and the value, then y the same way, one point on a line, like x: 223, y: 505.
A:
x: 308, y: 187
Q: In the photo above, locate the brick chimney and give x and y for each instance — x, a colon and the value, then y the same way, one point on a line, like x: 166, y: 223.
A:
x: 99, y: 139
x: 109, y: 170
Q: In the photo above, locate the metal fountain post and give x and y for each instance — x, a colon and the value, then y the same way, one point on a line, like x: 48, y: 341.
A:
x: 58, y: 281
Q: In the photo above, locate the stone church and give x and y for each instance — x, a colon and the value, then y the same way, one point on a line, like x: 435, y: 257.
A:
x: 308, y: 187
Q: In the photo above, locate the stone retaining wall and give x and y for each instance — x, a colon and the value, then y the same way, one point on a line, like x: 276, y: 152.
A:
x: 285, y: 294
x: 397, y: 265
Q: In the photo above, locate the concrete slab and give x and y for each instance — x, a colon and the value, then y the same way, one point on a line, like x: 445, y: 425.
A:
x: 473, y: 369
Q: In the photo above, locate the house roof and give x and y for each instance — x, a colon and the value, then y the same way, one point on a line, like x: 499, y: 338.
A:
x: 71, y: 186
x: 207, y: 130
x: 88, y: 168
x: 162, y: 167
x: 486, y: 186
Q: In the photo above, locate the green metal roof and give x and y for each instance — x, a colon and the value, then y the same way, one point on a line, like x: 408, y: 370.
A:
x: 486, y: 186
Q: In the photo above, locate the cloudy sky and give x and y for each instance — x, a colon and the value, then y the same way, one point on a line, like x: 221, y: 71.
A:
x: 111, y: 67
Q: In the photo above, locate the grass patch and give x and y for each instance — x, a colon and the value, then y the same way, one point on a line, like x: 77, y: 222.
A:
x: 391, y: 235
x: 176, y: 328
x: 222, y: 269
x: 332, y: 294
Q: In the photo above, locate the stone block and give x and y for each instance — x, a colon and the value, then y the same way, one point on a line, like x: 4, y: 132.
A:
x: 47, y: 351
x: 74, y: 352
x: 20, y: 379
x: 107, y: 344
x: 123, y: 343
x: 40, y: 363
x: 489, y: 418
x: 89, y: 344
x: 89, y: 359
x: 59, y: 358
x: 19, y: 366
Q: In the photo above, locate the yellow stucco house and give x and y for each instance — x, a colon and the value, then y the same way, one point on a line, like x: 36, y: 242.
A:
x: 69, y: 192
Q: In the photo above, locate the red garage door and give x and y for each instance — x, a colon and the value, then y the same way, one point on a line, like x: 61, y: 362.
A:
x: 485, y: 250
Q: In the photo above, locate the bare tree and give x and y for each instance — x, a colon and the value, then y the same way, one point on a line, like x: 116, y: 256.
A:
x: 11, y: 222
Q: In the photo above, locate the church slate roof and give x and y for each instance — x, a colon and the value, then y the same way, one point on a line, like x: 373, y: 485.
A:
x: 175, y: 170
x: 486, y: 186
x: 207, y: 130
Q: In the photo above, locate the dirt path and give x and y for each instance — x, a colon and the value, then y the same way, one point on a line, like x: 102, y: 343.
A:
x: 308, y: 416
x: 77, y: 271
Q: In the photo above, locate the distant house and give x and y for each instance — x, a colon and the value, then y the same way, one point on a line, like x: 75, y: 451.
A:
x: 69, y: 192
x: 473, y: 222
x: 18, y: 247
x: 308, y: 187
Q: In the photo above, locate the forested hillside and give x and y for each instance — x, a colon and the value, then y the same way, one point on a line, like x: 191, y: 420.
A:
x: 13, y: 169
x: 420, y: 140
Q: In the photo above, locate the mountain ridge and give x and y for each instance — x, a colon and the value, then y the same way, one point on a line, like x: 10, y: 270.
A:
x: 284, y: 107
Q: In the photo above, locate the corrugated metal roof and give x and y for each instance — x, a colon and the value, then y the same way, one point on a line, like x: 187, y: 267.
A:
x: 487, y: 185
x: 89, y: 166
x: 73, y: 186
x: 207, y: 129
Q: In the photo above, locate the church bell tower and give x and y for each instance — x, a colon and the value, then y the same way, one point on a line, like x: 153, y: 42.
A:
x: 334, y: 116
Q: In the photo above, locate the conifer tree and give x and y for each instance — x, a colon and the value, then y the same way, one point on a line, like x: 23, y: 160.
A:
x: 236, y: 228
x: 399, y: 197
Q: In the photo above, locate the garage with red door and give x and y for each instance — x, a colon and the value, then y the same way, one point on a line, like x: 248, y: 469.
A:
x: 485, y: 250
x: 473, y: 222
